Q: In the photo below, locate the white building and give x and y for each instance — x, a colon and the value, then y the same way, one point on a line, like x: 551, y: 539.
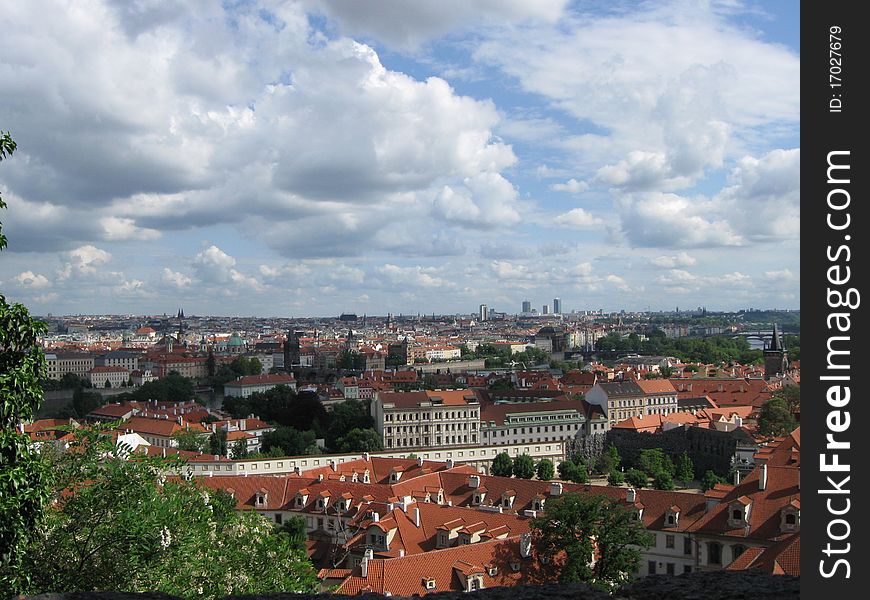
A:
x: 429, y: 419
x: 245, y: 386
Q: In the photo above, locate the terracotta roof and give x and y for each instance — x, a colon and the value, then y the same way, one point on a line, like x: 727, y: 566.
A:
x: 275, y: 379
x: 656, y: 386
x: 782, y: 558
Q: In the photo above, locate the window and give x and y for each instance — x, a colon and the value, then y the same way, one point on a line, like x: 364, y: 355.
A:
x: 651, y: 567
x: 671, y: 567
x: 736, y: 551
x: 278, y: 518
x: 790, y: 519
x: 687, y: 545
x: 714, y: 553
x: 737, y: 514
x: 687, y: 568
x: 669, y: 542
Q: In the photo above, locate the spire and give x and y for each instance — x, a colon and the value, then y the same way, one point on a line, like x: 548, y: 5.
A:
x: 775, y: 343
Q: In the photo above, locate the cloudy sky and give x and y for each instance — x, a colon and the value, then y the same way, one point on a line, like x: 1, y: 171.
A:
x: 312, y: 157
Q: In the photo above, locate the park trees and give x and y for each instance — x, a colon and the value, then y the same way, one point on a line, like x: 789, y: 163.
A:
x: 120, y: 523
x: 577, y: 527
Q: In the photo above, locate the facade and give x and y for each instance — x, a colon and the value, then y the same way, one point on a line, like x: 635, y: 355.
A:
x: 60, y: 363
x: 443, y: 353
x: 245, y: 386
x: 527, y: 306
x: 118, y: 358
x: 483, y: 314
x: 626, y: 399
x: 557, y: 306
x: 115, y: 377
x: 430, y: 419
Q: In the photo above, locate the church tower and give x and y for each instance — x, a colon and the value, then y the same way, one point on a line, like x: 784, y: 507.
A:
x: 775, y: 356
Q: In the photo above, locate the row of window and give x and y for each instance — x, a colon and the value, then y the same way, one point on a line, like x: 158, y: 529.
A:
x: 416, y: 416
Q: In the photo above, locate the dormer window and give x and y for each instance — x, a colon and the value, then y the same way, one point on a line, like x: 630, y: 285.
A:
x: 790, y: 517
x: 672, y: 516
x: 737, y: 514
x: 538, y: 504
x: 515, y: 566
x: 429, y: 583
x: 492, y: 570
x: 443, y: 539
x: 260, y: 498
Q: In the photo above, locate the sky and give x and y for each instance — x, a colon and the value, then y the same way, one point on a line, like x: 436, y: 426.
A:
x: 307, y: 158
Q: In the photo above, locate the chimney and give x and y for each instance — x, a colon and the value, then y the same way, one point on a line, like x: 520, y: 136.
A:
x: 736, y: 477
x: 320, y: 477
x: 332, y: 464
x: 526, y: 545
x: 242, y: 424
x: 556, y: 488
x: 631, y: 495
x: 738, y: 422
x: 375, y: 517
x: 449, y: 463
x: 401, y: 552
x: 419, y: 461
x: 297, y: 469
x: 364, y: 565
x: 474, y: 481
x: 762, y: 478
x: 416, y: 513
x: 164, y: 452
x: 366, y: 456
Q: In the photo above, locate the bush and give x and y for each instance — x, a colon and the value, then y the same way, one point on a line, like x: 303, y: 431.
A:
x: 637, y: 478
x: 615, y: 478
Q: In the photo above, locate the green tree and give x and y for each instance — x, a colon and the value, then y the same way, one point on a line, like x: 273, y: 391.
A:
x: 710, y: 479
x: 217, y: 443
x: 290, y: 441
x: 615, y: 478
x: 84, y: 402
x: 685, y: 468
x: 502, y: 466
x: 524, y: 466
x: 23, y: 487
x: 564, y: 535
x: 608, y: 460
x: 663, y: 480
x: 571, y: 471
x: 545, y: 469
x: 190, y: 441
x: 240, y: 449
x: 107, y: 384
x: 637, y: 478
x: 791, y: 394
x: 775, y: 418
x: 128, y: 527
x: 360, y: 440
x: 294, y: 527
x: 348, y: 415
x: 651, y: 461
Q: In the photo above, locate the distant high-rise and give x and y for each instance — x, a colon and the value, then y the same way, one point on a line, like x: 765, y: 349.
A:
x: 483, y: 312
x: 545, y: 310
x: 557, y: 306
x: 527, y: 306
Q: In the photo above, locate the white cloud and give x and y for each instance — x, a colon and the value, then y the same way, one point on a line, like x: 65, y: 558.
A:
x: 681, y: 259
x: 176, y: 279
x: 123, y: 229
x: 485, y: 200
x: 32, y: 280
x: 407, y: 25
x: 577, y: 218
x: 213, y: 266
x: 571, y: 186
x: 417, y: 276
x: 84, y: 260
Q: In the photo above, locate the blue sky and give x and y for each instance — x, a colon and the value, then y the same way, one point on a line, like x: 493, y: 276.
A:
x: 308, y: 158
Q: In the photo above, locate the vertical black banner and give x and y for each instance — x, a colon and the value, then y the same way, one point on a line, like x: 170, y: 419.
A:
x: 835, y: 444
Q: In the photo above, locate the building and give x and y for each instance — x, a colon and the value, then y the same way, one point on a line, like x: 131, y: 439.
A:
x: 483, y: 312
x: 109, y: 377
x: 550, y: 340
x: 431, y: 419
x: 245, y: 386
x: 118, y: 358
x: 545, y: 309
x: 440, y: 353
x: 534, y: 420
x: 527, y: 306
x: 775, y: 357
x: 557, y: 306
x: 59, y: 363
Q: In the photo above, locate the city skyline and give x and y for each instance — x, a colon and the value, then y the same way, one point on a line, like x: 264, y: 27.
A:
x: 312, y: 158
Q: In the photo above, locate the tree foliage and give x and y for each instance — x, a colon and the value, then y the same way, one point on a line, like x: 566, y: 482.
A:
x: 349, y: 415
x: 545, y: 469
x: 523, y: 466
x: 290, y: 441
x: 710, y: 479
x: 708, y: 350
x: 775, y: 418
x: 360, y: 440
x: 23, y: 489
x: 120, y: 524
x: 685, y: 468
x: 174, y: 387
x: 502, y: 465
x: 636, y: 478
x: 190, y: 441
x: 566, y: 532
